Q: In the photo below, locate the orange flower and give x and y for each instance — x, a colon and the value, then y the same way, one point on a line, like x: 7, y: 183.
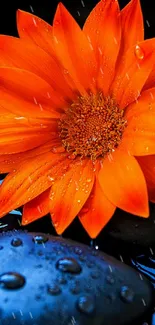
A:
x: 77, y: 117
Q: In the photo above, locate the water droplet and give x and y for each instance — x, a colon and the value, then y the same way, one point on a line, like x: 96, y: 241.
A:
x: 16, y: 242
x: 78, y: 250
x: 95, y: 274
x: 61, y: 279
x: 40, y: 239
x: 110, y: 279
x: 12, y: 280
x: 78, y: 201
x: 54, y: 289
x: 72, y: 157
x: 68, y: 264
x: 86, y: 304
x: 89, y: 180
x: 111, y: 297
x: 75, y: 287
x: 139, y: 52
x: 90, y: 264
x: 127, y: 294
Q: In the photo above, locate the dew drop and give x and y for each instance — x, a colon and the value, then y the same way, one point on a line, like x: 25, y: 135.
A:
x: 127, y: 294
x: 40, y: 239
x: 139, y: 52
x: 12, y: 280
x: 68, y: 264
x: 16, y: 242
x: 54, y: 289
x: 86, y: 304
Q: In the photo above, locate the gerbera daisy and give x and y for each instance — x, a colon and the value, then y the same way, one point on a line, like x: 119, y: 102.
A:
x: 77, y: 117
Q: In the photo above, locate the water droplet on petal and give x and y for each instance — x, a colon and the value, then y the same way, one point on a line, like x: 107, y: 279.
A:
x: 86, y: 304
x: 12, y: 280
x: 127, y: 294
x: 16, y: 242
x: 68, y: 264
x: 139, y: 52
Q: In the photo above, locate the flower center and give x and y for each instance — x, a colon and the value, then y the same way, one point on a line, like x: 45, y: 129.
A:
x: 92, y: 126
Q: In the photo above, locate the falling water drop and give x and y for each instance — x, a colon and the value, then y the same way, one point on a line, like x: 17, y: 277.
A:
x: 139, y: 52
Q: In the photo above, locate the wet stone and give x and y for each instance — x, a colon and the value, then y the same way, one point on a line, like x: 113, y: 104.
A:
x: 68, y: 264
x: 65, y: 288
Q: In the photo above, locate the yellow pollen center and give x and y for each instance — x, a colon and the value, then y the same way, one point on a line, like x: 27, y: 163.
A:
x: 92, y: 126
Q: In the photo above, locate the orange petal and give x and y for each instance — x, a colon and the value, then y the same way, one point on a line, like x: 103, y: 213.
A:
x: 25, y: 94
x: 74, y: 50
x: 24, y: 55
x: 15, y: 141
x: 8, y: 162
x: 36, y: 208
x: 139, y: 136
x: 36, y: 30
x: 144, y: 104
x: 96, y: 212
x: 132, y: 72
x: 147, y: 165
x: 103, y: 30
x: 150, y: 82
x: 31, y: 178
x: 69, y: 194
x: 123, y: 183
x: 132, y: 25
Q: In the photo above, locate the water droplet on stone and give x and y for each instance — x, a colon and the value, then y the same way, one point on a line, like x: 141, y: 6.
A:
x: 127, y: 294
x: 86, y: 304
x: 95, y: 274
x: 78, y: 251
x: 61, y: 279
x: 75, y: 287
x: 12, y: 280
x: 54, y: 289
x: 40, y: 239
x: 139, y: 52
x: 16, y: 242
x: 111, y: 297
x: 110, y: 279
x: 68, y: 264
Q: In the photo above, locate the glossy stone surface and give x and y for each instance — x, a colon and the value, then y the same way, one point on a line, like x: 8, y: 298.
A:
x: 56, y: 281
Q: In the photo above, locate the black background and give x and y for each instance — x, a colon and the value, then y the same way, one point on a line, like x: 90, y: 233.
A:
x: 46, y: 9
